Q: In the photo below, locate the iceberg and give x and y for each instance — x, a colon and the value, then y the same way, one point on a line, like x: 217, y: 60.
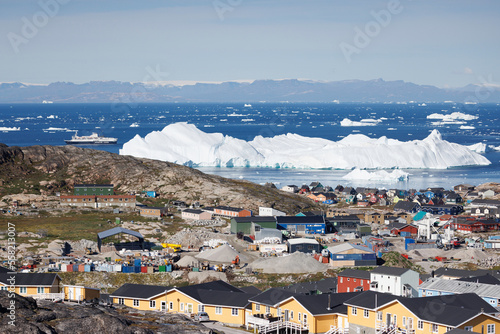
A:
x: 185, y: 144
x: 454, y: 116
x: 363, y: 122
x: 480, y: 148
x: 467, y: 127
x: 6, y: 128
x: 381, y: 175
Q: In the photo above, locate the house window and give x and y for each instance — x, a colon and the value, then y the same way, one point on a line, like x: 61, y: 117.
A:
x: 361, y: 281
x: 435, y: 328
x: 40, y: 290
x: 171, y: 306
x: 218, y: 310
x: 448, y: 328
x: 490, y: 329
x: 354, y: 280
x: 404, y: 321
x: 291, y: 315
x: 121, y: 301
x: 379, y: 315
x: 152, y: 303
x: 201, y: 308
x: 468, y: 328
x: 395, y: 320
x: 4, y: 287
x: 341, y: 279
x: 305, y: 318
x: 23, y: 290
x: 298, y: 316
x: 182, y: 307
x: 348, y: 279
x: 268, y: 309
x: 136, y: 302
x: 257, y: 307
x: 354, y: 311
x: 234, y: 311
x: 366, y: 313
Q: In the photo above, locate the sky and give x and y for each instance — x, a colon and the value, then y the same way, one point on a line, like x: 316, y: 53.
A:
x: 445, y: 43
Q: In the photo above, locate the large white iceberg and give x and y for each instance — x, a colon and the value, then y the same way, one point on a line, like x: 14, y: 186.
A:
x: 185, y: 144
x: 454, y: 116
x: 363, y: 122
x: 381, y: 175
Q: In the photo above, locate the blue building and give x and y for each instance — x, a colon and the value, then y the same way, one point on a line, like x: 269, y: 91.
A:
x: 445, y: 209
x: 302, y: 224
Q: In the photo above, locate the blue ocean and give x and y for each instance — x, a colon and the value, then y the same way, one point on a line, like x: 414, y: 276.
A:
x: 52, y: 123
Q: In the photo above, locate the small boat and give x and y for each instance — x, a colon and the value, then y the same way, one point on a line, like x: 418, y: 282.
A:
x: 94, y: 138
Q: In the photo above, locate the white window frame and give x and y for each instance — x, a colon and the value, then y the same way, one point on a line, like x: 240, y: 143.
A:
x: 299, y: 316
x: 404, y: 321
x: 366, y: 313
x: 257, y: 307
x: 171, y: 306
x: 40, y: 289
x: 379, y: 315
x: 181, y: 308
x: 304, y: 319
x: 354, y: 310
x: 268, y: 309
x: 121, y: 301
x: 152, y: 304
x: 468, y: 328
x: 395, y: 320
x: 136, y: 302
x: 218, y: 310
x: 23, y: 289
x: 201, y: 308
x: 490, y: 329
x: 234, y: 312
x: 420, y: 324
x: 435, y: 328
x: 291, y: 315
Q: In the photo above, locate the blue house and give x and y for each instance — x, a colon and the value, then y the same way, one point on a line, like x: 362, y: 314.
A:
x: 445, y: 209
x: 151, y: 194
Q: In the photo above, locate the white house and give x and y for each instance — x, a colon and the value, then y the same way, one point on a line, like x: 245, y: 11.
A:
x: 486, y: 193
x: 291, y: 188
x: 397, y: 281
x: 270, y: 212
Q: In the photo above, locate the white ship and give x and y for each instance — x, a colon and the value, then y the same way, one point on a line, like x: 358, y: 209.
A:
x: 94, y: 138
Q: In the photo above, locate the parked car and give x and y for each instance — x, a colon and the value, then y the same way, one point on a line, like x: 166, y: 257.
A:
x: 201, y: 316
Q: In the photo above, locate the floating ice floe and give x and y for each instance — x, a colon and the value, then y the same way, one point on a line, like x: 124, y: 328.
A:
x: 380, y: 175
x: 134, y: 125
x: 185, y: 144
x: 363, y: 122
x: 452, y: 117
x: 7, y: 129
x: 58, y: 129
x: 467, y: 127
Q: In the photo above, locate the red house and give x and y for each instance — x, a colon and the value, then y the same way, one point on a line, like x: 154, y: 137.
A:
x: 471, y: 225
x: 396, y: 228
x: 351, y: 280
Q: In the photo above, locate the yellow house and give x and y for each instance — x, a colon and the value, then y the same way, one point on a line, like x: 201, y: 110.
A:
x: 220, y: 300
x: 373, y: 312
x: 317, y: 313
x: 142, y: 297
x: 36, y: 285
x: 79, y: 293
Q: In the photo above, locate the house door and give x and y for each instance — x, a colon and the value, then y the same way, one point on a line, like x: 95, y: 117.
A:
x: 70, y: 293
x: 339, y: 325
x: 388, y: 321
x: 189, y: 308
x: 410, y: 323
x: 163, y: 305
x: 286, y: 315
x: 78, y: 294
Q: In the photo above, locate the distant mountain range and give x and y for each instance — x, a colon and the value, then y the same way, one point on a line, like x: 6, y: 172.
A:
x: 291, y: 90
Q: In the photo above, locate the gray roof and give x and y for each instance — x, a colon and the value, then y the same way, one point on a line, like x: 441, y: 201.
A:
x: 325, y: 303
x: 327, y: 285
x: 193, y: 211
x: 363, y: 274
x: 140, y: 291
x: 272, y: 296
x: 217, y: 293
x: 455, y: 286
x: 346, y: 246
x: 116, y: 230
x: 459, y: 272
x: 393, y: 271
x: 255, y: 219
x: 29, y: 279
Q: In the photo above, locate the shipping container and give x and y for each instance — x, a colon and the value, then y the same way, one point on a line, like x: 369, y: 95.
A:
x: 69, y: 268
x: 137, y: 269
x: 75, y: 267
x: 144, y: 269
x: 137, y: 262
x: 168, y: 268
x: 151, y: 269
x: 81, y: 268
x: 161, y: 269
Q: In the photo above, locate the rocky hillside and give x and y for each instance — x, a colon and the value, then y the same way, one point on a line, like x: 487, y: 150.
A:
x: 47, y: 317
x: 47, y: 169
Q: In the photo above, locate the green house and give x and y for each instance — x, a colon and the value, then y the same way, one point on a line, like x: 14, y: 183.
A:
x: 94, y: 189
x: 244, y: 224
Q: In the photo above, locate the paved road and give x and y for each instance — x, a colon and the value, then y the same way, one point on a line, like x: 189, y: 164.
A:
x: 221, y: 328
